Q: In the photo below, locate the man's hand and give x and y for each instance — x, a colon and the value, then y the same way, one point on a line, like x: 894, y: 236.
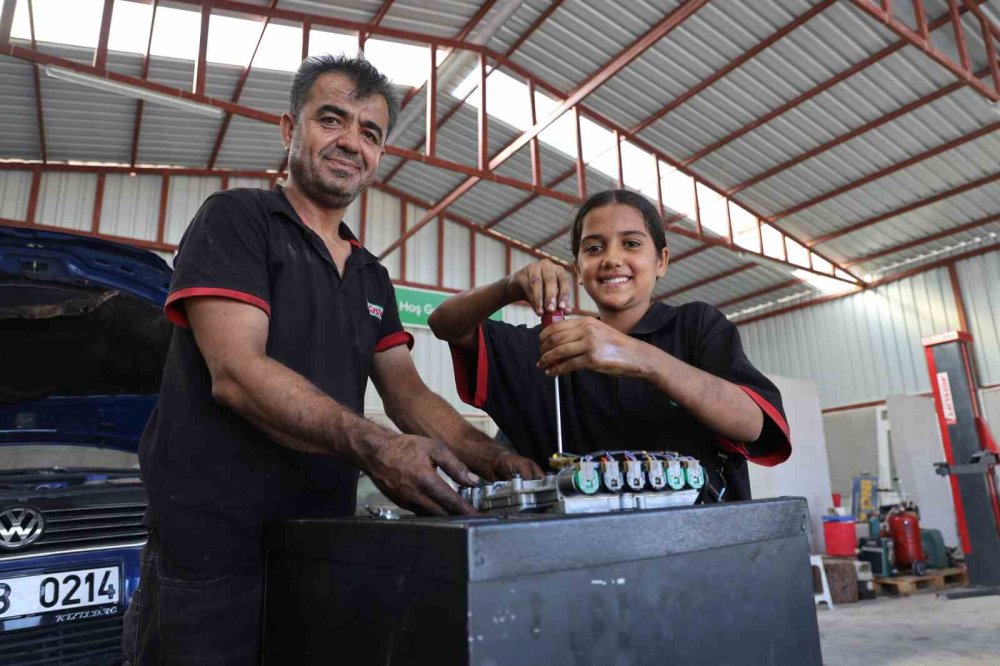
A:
x: 405, y: 468
x: 589, y: 344
x: 508, y: 465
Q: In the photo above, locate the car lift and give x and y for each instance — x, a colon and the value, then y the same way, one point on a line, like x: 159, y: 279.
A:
x: 972, y: 459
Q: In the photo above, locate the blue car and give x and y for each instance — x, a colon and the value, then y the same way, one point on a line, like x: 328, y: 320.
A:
x: 82, y: 346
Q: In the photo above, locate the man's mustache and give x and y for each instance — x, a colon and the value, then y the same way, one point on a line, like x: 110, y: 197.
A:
x: 341, y: 154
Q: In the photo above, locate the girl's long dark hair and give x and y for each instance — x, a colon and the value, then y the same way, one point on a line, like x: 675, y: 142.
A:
x: 654, y: 223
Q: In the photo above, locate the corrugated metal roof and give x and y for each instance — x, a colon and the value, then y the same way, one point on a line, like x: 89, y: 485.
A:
x: 875, y: 334
x: 571, y: 45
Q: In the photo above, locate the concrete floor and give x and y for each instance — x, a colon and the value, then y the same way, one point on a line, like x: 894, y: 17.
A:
x: 921, y: 630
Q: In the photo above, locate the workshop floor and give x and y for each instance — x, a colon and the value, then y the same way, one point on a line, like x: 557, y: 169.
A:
x: 921, y: 630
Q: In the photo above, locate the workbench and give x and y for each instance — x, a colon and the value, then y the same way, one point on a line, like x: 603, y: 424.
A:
x: 709, y: 584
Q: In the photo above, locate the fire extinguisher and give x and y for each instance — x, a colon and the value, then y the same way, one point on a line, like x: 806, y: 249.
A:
x: 904, y: 529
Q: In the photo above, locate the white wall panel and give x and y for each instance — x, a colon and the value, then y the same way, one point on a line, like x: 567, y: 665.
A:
x: 258, y: 183
x: 859, y: 348
x: 382, y: 228
x: 130, y: 206
x: 586, y: 302
x: 433, y: 360
x: 421, y: 248
x: 185, y: 195
x: 456, y: 256
x: 66, y: 199
x: 352, y: 217
x: 15, y: 186
x: 980, y: 281
x: 491, y: 260
x: 519, y: 260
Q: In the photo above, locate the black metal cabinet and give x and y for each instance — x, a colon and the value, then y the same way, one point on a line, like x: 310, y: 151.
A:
x: 717, y: 584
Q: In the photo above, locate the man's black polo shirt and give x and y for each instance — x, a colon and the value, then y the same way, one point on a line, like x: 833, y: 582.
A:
x: 213, y: 478
x: 604, y: 412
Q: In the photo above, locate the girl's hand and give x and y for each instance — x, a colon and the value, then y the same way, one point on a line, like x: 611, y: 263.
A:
x: 543, y: 284
x: 589, y: 344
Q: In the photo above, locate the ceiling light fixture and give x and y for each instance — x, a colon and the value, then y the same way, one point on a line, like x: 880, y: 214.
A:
x: 134, y: 92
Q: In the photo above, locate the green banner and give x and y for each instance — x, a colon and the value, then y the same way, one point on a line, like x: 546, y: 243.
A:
x: 416, y: 305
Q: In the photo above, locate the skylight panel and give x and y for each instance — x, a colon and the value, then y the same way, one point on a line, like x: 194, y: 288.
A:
x: 774, y: 242
x: 280, y: 49
x: 404, y: 64
x: 744, y: 228
x: 231, y: 40
x: 797, y: 254
x: 74, y: 22
x: 129, y: 27
x: 678, y: 192
x: 827, y: 285
x: 322, y: 42
x: 713, y: 211
x: 176, y: 34
x: 639, y: 167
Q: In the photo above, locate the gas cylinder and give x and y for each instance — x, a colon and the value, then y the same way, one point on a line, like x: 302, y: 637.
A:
x: 904, y: 528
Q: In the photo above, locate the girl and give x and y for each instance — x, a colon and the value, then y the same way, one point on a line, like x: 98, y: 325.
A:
x: 644, y: 375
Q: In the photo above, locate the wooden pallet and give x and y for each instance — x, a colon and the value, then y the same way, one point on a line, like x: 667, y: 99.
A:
x: 936, y: 579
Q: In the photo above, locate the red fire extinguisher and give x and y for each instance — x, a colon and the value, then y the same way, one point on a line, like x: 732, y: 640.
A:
x: 904, y: 529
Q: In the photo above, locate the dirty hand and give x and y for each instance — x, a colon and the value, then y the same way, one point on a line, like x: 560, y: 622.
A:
x: 509, y: 464
x: 404, y: 467
x: 543, y: 284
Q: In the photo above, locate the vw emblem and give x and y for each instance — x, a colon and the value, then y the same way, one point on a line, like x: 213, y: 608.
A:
x: 20, y: 526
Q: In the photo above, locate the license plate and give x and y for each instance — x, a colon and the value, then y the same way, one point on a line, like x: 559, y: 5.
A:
x: 51, y: 592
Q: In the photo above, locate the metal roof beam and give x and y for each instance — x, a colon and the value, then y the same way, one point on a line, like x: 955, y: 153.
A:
x: 263, y: 116
x: 947, y: 261
x: 944, y: 233
x: 101, y: 52
x: 881, y: 173
x: 809, y: 94
x: 748, y: 55
x: 238, y: 89
x: 291, y: 16
x: 39, y: 113
x: 441, y: 79
x: 905, y: 209
x: 137, y: 120
x: 597, y: 79
x: 542, y: 18
x: 962, y: 71
x: 758, y: 293
x: 6, y: 20
x: 854, y: 133
x: 701, y: 283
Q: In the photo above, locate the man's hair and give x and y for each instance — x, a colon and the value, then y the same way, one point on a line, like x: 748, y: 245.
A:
x: 367, y: 81
x: 654, y: 223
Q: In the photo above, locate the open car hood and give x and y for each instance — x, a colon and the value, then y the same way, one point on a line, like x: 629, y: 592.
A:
x: 82, y: 338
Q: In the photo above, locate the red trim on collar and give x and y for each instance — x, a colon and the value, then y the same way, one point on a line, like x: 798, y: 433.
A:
x: 394, y: 340
x: 176, y: 315
x: 770, y: 459
x: 353, y: 242
x: 476, y: 394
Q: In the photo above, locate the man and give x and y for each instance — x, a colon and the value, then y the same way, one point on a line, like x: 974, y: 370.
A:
x: 281, y: 319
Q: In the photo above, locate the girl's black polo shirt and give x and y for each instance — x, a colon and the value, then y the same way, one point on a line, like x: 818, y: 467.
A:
x: 214, y: 479
x: 604, y: 412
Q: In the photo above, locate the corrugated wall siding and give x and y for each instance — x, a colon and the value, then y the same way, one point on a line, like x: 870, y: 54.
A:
x: 980, y: 280
x: 859, y: 348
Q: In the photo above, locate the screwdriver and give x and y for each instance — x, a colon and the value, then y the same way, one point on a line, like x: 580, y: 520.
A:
x: 547, y: 319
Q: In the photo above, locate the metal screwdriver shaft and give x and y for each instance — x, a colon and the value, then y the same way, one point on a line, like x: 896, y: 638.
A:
x: 558, y: 419
x: 547, y: 319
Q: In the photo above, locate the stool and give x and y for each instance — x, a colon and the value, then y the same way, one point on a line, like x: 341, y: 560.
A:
x: 824, y: 596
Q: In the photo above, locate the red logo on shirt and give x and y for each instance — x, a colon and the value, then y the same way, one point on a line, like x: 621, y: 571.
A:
x: 375, y: 311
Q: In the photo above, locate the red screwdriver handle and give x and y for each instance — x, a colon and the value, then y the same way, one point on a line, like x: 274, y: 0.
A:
x: 551, y: 317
